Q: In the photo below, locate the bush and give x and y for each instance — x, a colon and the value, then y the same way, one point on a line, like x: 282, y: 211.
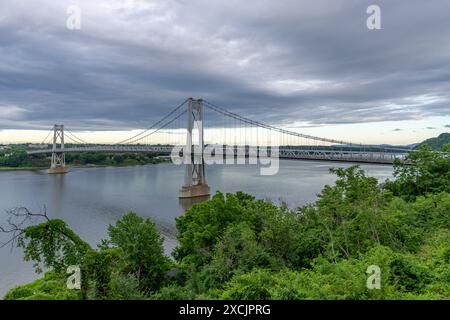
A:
x: 50, y: 287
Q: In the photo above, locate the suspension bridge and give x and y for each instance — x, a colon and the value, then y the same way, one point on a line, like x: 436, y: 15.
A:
x: 198, y: 124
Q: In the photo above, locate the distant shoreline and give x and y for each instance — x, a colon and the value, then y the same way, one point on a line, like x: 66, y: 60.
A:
x: 21, y: 168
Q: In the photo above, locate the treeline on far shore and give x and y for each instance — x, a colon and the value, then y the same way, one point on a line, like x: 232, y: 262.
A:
x: 16, y: 157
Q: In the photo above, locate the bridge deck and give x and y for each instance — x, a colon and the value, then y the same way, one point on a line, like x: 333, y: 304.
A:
x: 284, y: 153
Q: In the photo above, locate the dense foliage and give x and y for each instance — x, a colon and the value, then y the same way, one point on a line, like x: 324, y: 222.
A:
x: 429, y: 172
x: 237, y: 247
x: 15, y: 157
x: 128, y: 265
x: 52, y: 244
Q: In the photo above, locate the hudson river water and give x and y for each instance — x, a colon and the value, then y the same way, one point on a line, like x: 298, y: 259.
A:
x: 90, y: 199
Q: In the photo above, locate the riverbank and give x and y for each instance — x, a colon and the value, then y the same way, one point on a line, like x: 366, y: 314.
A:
x: 21, y: 168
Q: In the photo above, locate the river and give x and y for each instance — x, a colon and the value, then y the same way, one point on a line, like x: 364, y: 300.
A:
x: 89, y: 199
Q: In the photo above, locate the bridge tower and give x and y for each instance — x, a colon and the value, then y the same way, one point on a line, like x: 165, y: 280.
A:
x: 58, y: 164
x: 194, y: 176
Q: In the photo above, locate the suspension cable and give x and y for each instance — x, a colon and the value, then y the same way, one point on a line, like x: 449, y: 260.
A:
x: 75, y: 138
x: 70, y: 139
x: 156, y: 130
x: 262, y: 125
x: 43, y: 141
x: 153, y: 125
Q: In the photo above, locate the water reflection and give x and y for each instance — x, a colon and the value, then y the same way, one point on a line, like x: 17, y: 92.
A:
x: 187, y: 203
x: 57, y: 192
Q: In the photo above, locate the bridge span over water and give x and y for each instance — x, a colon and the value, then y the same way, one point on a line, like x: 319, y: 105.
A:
x: 386, y: 157
x: 198, y: 124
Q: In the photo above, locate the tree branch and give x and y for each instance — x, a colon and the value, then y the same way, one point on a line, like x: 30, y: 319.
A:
x: 18, y: 219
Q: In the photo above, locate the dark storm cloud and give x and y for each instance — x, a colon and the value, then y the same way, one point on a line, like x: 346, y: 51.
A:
x: 278, y: 62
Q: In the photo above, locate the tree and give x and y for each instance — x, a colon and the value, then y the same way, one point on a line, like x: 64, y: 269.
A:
x: 237, y: 252
x: 425, y: 171
x: 51, y: 244
x: 350, y: 217
x: 16, y: 158
x: 201, y: 227
x: 136, y: 254
x: 142, y: 249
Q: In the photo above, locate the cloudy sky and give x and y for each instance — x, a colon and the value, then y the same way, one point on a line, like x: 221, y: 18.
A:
x: 308, y: 65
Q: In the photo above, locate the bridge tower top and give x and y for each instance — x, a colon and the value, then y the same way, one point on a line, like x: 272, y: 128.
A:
x: 58, y: 164
x: 58, y: 136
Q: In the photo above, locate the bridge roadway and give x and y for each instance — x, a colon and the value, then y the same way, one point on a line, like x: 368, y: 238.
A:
x: 387, y: 157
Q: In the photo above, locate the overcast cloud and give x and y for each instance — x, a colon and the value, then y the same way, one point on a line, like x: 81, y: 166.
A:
x: 278, y: 61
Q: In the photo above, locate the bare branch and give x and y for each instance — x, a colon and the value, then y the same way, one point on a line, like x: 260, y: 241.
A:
x: 18, y: 219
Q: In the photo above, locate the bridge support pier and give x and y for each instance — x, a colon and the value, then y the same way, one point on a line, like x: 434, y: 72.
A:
x: 194, y: 177
x: 200, y: 190
x: 58, y: 164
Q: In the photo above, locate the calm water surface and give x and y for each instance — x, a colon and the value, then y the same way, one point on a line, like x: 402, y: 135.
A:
x: 92, y: 198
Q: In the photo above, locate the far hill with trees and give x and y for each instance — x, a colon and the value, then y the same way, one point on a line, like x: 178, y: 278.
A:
x: 438, y: 142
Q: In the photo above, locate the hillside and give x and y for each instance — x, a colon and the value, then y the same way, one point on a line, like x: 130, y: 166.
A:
x: 438, y: 142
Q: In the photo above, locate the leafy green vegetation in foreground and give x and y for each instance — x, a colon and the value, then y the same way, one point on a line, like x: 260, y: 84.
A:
x: 237, y: 247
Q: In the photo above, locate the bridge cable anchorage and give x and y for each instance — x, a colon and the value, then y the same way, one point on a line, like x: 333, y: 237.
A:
x: 153, y: 125
x: 292, y: 133
x: 156, y: 130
